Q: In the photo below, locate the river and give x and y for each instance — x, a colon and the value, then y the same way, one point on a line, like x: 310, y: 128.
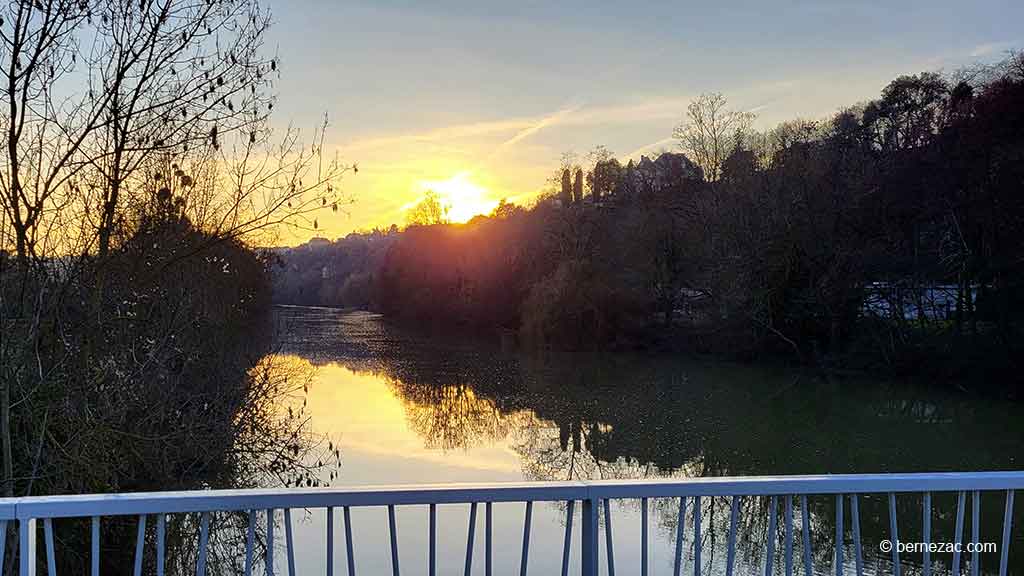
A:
x: 407, y: 408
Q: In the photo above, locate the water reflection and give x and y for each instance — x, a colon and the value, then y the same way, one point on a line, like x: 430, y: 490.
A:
x: 463, y: 412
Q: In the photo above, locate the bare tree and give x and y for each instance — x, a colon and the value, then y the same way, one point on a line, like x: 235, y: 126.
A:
x: 559, y: 182
x: 101, y: 95
x: 37, y: 51
x: 711, y: 131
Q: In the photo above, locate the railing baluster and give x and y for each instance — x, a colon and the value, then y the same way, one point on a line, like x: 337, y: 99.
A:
x: 393, y: 530
x: 608, y: 536
x: 894, y: 535
x: 140, y: 542
x: 204, y: 539
x: 347, y: 516
x: 250, y: 542
x: 643, y: 536
x: 469, y: 538
x: 680, y: 532
x: 696, y: 536
x: 959, y: 531
x: 270, y: 542
x: 51, y: 557
x: 926, y: 529
x: 161, y: 543
x: 975, y: 531
x: 527, y: 522
x: 730, y: 558
x: 855, y: 520
x: 432, y: 559
x: 588, y: 537
x: 769, y: 558
x: 330, y: 541
x: 27, y: 547
x: 789, y: 534
x: 1004, y: 550
x: 94, y: 557
x: 488, y: 537
x: 840, y: 535
x: 568, y: 537
x: 805, y: 529
x: 289, y: 542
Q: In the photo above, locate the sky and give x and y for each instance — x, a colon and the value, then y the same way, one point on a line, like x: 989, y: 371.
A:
x: 479, y: 100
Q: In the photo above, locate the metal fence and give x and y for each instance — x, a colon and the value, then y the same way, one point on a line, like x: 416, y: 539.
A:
x: 591, y: 496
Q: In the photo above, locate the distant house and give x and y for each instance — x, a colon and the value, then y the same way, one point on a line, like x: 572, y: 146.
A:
x: 667, y: 170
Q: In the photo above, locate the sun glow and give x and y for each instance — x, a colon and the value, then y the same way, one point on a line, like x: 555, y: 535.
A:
x: 462, y: 198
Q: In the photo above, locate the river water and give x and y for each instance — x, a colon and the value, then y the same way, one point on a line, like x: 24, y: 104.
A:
x: 405, y: 408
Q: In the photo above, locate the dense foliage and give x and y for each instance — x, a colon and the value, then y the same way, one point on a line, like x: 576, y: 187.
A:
x: 324, y: 273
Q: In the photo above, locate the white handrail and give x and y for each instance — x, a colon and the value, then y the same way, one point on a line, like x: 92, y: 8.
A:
x: 592, y: 495
x: 81, y: 505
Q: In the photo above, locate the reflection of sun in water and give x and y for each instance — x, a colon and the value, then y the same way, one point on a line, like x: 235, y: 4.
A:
x: 463, y: 198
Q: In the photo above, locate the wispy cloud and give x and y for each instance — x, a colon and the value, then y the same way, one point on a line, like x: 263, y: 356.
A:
x: 652, y: 147
x: 648, y: 109
x: 544, y: 122
x: 989, y: 48
x: 520, y: 128
x: 441, y: 134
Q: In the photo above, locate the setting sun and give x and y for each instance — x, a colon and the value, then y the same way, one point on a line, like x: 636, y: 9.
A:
x: 463, y: 198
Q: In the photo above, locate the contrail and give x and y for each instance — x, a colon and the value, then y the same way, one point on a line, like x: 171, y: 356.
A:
x: 647, y: 147
x: 549, y: 120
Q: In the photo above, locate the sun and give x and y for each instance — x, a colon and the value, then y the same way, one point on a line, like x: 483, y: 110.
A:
x: 463, y: 198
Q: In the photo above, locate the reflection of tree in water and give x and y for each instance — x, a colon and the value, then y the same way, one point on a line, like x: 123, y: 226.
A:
x: 571, y: 451
x: 582, y: 417
x: 272, y: 444
x: 450, y: 417
x: 267, y: 442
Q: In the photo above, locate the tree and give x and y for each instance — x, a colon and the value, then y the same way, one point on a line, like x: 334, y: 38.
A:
x: 559, y: 182
x: 429, y: 211
x: 604, y: 172
x: 711, y: 131
x: 565, y: 194
x: 908, y: 113
x: 506, y: 209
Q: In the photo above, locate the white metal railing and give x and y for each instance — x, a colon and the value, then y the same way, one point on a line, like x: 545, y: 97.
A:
x: 27, y: 511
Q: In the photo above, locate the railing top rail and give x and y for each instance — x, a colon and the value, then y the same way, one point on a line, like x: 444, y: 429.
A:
x: 226, y: 500
x: 247, y: 499
x: 811, y: 484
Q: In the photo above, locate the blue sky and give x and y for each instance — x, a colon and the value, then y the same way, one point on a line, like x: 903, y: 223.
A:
x: 494, y: 93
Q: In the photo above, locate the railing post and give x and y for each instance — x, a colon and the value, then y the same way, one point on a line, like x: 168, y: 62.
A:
x: 588, y: 548
x: 3, y: 542
x: 27, y: 547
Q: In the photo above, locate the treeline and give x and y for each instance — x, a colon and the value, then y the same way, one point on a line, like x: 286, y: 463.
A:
x: 890, y: 233
x: 324, y: 273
